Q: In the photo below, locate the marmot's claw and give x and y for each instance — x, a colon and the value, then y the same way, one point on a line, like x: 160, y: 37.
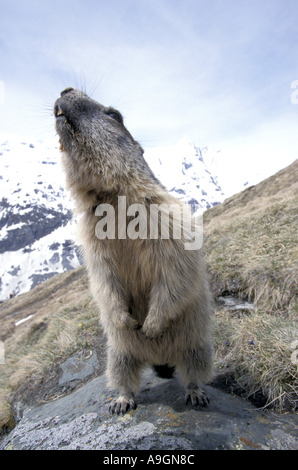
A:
x: 121, y: 405
x: 197, y: 398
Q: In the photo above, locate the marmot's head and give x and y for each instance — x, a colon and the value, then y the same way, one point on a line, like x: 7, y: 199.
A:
x: 95, y: 143
x: 82, y: 122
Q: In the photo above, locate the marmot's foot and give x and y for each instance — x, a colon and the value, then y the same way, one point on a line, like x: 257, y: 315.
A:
x: 196, y: 396
x: 121, y: 405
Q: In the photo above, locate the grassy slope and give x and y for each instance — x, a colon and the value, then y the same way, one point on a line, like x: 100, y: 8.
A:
x: 251, y: 242
x: 251, y: 249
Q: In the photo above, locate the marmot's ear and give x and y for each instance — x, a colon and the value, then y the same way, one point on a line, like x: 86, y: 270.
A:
x: 67, y: 90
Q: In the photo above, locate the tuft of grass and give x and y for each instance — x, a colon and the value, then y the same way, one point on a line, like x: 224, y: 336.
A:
x: 260, y: 351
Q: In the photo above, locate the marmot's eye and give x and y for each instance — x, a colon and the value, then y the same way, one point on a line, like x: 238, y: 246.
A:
x: 115, y: 115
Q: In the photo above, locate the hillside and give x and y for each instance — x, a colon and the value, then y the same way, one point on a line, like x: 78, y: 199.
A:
x: 251, y: 251
x: 251, y: 243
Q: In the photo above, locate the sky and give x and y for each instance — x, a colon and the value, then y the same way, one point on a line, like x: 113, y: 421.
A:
x: 217, y: 72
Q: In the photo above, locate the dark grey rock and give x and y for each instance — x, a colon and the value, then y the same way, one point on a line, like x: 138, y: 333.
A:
x: 78, y: 369
x: 55, y: 258
x: 161, y: 421
x: 37, y: 223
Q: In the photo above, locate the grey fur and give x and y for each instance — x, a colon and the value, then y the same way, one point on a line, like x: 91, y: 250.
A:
x: 153, y: 296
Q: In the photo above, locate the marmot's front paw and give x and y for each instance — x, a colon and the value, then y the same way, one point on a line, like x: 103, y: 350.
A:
x: 151, y: 331
x: 121, y: 405
x: 127, y: 321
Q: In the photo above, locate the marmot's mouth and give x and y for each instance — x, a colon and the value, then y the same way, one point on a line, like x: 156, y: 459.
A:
x: 58, y: 112
x: 61, y: 148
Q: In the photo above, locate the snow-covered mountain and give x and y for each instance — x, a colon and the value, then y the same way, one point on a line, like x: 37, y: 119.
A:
x: 36, y: 228
x: 183, y: 170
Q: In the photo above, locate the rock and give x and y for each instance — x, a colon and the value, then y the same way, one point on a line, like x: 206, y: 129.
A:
x: 28, y: 223
x: 161, y: 421
x: 78, y: 369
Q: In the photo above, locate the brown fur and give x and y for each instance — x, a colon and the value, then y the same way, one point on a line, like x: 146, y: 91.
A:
x: 153, y: 297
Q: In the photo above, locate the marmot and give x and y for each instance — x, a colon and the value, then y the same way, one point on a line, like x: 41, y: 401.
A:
x: 153, y: 296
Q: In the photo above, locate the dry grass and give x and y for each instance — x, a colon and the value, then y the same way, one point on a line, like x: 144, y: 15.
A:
x: 251, y: 243
x: 251, y: 250
x: 262, y: 358
x: 258, y: 350
x: 255, y: 255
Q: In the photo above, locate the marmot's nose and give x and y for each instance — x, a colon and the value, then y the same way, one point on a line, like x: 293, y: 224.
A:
x: 67, y: 90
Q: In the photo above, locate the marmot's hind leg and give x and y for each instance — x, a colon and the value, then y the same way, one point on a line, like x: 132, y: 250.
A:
x: 196, y: 396
x: 196, y: 366
x: 123, y: 373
